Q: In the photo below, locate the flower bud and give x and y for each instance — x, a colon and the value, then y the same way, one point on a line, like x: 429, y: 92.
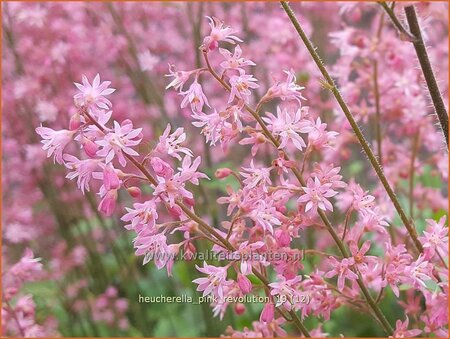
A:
x: 189, y: 201
x: 260, y: 138
x: 244, y: 284
x: 267, y: 313
x: 282, y: 237
x: 189, y: 250
x: 175, y: 211
x: 222, y: 173
x: 75, y: 122
x: 110, y: 178
x: 239, y: 308
x: 134, y: 191
x: 161, y: 168
x: 90, y: 147
x: 108, y: 203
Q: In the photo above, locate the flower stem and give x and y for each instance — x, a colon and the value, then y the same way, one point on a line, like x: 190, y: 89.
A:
x: 373, y: 160
x: 377, y: 111
x: 427, y: 70
x: 390, y: 12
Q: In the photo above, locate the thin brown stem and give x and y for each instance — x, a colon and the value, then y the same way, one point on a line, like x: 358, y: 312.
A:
x: 412, y: 172
x: 405, y: 35
x: 427, y: 70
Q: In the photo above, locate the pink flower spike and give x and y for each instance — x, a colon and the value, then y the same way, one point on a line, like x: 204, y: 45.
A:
x: 55, y: 141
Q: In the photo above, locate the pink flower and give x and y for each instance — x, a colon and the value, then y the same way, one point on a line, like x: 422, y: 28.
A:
x: 55, y: 142
x: 327, y: 174
x: 111, y: 180
x: 233, y: 200
x: 393, y: 276
x: 172, y: 188
x: 215, y: 282
x: 256, y: 176
x: 234, y: 61
x: 342, y: 270
x: 268, y: 313
x: 419, y: 272
x: 195, y: 97
x: 240, y: 85
x: 179, y: 78
x: 315, y: 195
x: 83, y: 169
x: 161, y: 168
x: 211, y: 124
x: 435, y: 237
x: 142, y: 214
x: 171, y: 143
x: 153, y: 247
x: 188, y: 170
x: 287, y: 90
x: 318, y: 136
x: 248, y: 256
x: 285, y: 291
x: 219, y: 33
x: 120, y: 141
x: 359, y: 255
x: 244, y: 284
x: 361, y: 200
x: 401, y: 330
x: 93, y: 96
x: 266, y: 215
x: 288, y: 125
x: 108, y: 203
x: 255, y: 139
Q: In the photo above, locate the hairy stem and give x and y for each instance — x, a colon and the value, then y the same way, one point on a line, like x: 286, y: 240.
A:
x: 390, y: 12
x: 372, y: 158
x: 427, y: 70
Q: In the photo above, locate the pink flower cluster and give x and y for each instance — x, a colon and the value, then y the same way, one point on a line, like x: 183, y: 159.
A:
x: 291, y: 202
x: 271, y: 207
